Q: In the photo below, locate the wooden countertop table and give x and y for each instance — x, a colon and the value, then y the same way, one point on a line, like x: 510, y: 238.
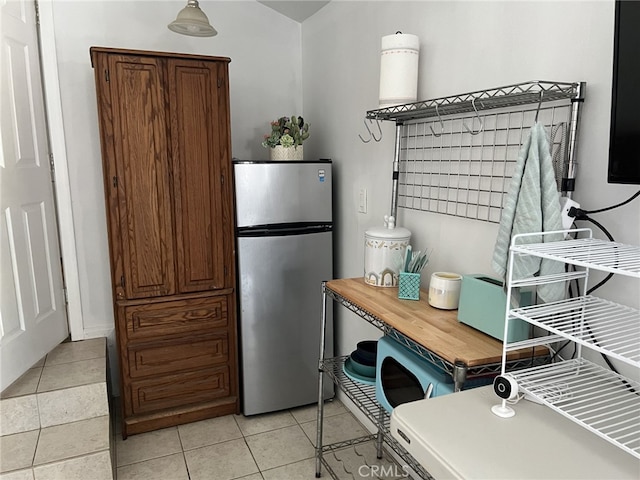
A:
x: 439, y: 331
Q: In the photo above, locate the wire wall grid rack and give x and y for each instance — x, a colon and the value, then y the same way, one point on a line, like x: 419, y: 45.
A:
x: 455, y: 155
x: 599, y: 399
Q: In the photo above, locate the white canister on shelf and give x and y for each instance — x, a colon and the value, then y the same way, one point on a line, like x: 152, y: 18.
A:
x: 399, y: 57
x: 444, y: 290
x: 384, y: 249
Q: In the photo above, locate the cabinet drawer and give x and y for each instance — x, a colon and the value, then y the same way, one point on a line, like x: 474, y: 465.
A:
x: 178, y: 355
x: 175, y: 317
x: 170, y: 391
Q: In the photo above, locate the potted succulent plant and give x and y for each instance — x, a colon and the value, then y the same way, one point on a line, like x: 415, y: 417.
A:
x: 286, y: 137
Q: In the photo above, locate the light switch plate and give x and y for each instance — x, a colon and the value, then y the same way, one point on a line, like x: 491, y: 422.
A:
x: 362, y: 200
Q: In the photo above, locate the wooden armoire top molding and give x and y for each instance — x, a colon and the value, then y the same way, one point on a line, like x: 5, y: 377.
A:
x: 149, y: 53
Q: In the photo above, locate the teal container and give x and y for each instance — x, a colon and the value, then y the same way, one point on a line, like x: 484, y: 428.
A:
x: 409, y: 286
x: 482, y: 306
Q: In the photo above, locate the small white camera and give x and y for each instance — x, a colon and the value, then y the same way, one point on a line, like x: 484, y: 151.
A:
x: 506, y: 387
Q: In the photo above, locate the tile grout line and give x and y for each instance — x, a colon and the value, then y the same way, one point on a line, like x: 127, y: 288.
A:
x: 297, y: 422
x: 184, y: 456
x: 244, y: 439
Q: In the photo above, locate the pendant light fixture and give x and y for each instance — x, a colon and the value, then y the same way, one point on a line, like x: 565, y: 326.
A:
x: 192, y: 21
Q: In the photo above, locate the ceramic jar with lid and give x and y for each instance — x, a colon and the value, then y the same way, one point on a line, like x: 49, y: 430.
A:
x: 384, y: 249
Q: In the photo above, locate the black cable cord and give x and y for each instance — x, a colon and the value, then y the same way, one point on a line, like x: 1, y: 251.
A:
x: 599, y: 225
x: 582, y: 215
x: 614, y: 206
x: 610, y: 237
x: 605, y: 280
x: 557, y: 352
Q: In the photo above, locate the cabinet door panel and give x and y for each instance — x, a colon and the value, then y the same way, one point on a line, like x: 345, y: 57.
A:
x: 198, y: 116
x: 162, y: 392
x: 141, y: 151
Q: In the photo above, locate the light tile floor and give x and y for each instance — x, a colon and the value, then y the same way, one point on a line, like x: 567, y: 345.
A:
x: 54, y: 420
x: 276, y: 446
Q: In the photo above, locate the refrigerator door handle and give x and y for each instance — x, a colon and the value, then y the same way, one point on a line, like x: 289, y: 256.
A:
x: 282, y: 230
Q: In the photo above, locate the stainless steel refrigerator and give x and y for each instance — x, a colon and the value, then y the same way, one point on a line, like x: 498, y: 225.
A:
x: 284, y: 246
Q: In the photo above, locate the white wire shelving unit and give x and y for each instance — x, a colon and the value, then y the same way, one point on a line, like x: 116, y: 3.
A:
x: 599, y: 399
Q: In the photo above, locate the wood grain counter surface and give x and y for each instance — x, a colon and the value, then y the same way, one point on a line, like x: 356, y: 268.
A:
x: 436, y: 330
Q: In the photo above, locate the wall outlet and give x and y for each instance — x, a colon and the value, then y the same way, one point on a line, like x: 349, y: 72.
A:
x: 362, y: 200
x: 565, y: 205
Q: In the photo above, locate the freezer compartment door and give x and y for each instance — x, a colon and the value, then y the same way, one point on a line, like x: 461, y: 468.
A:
x: 273, y: 193
x: 280, y: 319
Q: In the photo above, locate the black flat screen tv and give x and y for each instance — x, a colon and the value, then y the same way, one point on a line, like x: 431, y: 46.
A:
x: 624, y: 145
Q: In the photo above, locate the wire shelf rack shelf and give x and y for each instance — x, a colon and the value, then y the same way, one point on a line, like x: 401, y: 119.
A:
x: 607, y: 256
x: 601, y: 401
x: 601, y: 325
x: 500, y: 97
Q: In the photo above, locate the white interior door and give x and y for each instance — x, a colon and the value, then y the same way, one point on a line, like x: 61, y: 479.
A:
x: 32, y: 309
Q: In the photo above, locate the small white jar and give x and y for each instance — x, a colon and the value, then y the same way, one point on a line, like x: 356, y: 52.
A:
x: 444, y: 290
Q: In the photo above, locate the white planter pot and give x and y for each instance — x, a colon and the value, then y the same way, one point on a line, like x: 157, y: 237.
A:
x: 279, y: 153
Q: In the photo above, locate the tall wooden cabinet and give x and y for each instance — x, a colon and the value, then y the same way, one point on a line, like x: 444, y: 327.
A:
x: 164, y: 125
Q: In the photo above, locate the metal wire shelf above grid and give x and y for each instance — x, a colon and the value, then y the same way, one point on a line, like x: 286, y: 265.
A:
x: 507, y: 96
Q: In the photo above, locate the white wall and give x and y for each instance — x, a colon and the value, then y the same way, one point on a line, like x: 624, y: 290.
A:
x: 465, y: 46
x: 265, y: 83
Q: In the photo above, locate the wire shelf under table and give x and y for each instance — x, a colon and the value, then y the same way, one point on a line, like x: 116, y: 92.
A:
x: 598, y: 399
x: 358, y: 459
x: 364, y: 396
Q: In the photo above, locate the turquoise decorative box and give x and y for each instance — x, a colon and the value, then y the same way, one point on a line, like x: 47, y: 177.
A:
x: 482, y: 306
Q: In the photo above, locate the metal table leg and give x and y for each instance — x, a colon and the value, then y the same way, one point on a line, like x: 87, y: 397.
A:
x: 379, y: 437
x: 459, y: 374
x: 321, y: 384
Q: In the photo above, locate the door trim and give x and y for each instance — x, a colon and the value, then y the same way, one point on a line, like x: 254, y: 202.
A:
x: 55, y: 127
